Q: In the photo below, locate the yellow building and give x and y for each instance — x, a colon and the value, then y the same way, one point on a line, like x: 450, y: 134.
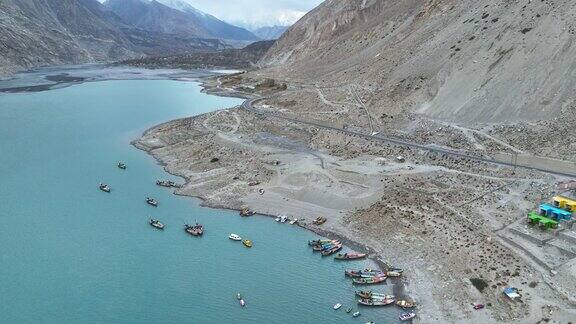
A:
x: 565, y: 203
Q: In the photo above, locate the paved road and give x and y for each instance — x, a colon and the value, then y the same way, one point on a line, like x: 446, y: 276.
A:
x: 248, y: 105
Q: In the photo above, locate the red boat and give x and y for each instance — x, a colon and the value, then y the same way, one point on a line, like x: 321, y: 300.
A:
x: 369, y: 281
x: 196, y: 230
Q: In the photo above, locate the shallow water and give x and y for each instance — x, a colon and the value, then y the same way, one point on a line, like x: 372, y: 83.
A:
x: 71, y: 253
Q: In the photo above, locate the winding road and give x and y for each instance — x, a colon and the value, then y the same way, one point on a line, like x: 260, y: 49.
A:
x: 248, y: 105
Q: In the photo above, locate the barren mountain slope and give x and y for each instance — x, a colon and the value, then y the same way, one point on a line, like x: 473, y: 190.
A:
x: 466, y: 61
x: 40, y: 32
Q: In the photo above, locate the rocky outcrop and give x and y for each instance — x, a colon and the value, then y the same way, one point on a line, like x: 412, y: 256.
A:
x: 463, y: 61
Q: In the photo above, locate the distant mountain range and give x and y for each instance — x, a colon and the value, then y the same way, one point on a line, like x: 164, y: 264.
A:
x: 50, y: 32
x: 176, y: 17
x: 270, y: 33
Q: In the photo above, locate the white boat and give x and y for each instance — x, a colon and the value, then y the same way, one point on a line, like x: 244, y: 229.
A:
x: 283, y: 219
x: 292, y: 222
x: 277, y: 219
x: 235, y: 237
x: 407, y: 316
x: 337, y: 306
x: 356, y: 314
x: 242, y: 302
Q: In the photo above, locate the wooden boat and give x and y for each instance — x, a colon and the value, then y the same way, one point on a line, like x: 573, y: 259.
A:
x: 105, y: 187
x: 235, y: 237
x: 356, y: 314
x: 407, y: 316
x: 319, y: 221
x: 399, y: 270
x: 377, y: 302
x: 372, y: 295
x: 245, y: 212
x: 247, y: 243
x: 363, y: 273
x: 151, y: 202
x: 122, y: 165
x: 337, y: 306
x: 393, y: 274
x: 196, y: 230
x: 326, y: 246
x: 156, y: 223
x: 369, y: 281
x: 350, y: 256
x: 320, y: 241
x: 332, y: 250
x: 405, y: 303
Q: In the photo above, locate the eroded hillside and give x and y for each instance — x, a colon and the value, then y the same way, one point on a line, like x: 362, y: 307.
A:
x: 465, y: 61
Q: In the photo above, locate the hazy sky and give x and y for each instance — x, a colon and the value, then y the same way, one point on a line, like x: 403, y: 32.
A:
x: 256, y: 12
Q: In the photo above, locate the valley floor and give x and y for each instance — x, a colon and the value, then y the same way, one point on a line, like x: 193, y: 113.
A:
x: 446, y: 220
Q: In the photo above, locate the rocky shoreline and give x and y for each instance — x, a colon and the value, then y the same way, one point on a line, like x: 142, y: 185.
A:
x: 401, y: 213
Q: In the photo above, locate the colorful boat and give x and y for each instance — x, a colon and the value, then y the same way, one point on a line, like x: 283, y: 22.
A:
x: 405, y: 303
x: 369, y: 281
x: 363, y: 273
x: 196, y: 230
x: 332, y: 250
x: 320, y: 241
x: 376, y: 302
x: 350, y: 256
x: 407, y: 316
x: 372, y: 295
x: 247, y: 243
x: 326, y: 246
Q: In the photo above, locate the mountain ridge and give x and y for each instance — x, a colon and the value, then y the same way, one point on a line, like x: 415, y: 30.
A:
x: 462, y: 62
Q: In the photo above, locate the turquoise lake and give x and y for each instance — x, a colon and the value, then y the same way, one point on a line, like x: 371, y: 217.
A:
x: 73, y: 254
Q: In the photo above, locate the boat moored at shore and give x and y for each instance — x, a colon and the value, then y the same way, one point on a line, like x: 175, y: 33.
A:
x: 350, y: 256
x: 369, y: 280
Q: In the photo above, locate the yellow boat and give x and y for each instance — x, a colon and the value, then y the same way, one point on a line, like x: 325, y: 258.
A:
x: 247, y: 243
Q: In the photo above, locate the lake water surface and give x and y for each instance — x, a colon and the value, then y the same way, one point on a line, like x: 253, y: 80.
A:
x: 71, y: 253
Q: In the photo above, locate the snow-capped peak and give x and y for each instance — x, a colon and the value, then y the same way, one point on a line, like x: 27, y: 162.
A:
x: 181, y: 5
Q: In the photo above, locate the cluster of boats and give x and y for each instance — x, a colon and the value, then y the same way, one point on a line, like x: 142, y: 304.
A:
x: 284, y: 219
x: 371, y: 276
x: 369, y: 298
x: 236, y: 237
x: 166, y: 183
x: 326, y: 246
